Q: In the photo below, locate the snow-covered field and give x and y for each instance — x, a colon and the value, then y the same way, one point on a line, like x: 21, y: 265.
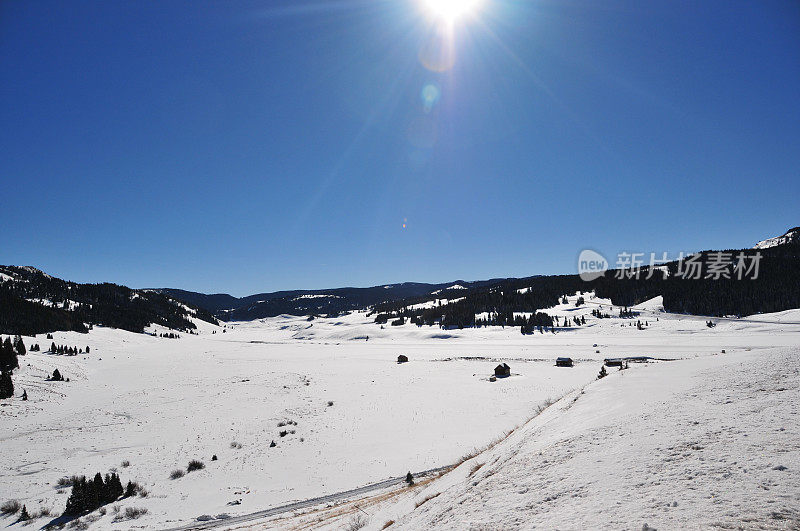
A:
x: 631, y: 445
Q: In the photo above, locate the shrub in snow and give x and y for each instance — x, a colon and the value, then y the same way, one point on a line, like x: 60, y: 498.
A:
x: 126, y: 464
x: 602, y: 373
x: 357, y: 522
x: 214, y: 457
x: 10, y: 507
x: 23, y: 515
x: 194, y: 464
x: 330, y: 403
x: 176, y: 474
x: 132, y: 489
x: 272, y: 444
x: 410, y: 478
x: 79, y: 524
x: 131, y: 513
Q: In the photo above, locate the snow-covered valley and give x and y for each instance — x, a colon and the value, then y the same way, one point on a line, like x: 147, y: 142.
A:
x: 715, y: 432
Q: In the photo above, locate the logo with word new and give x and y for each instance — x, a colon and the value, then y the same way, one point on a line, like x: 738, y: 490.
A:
x: 591, y: 265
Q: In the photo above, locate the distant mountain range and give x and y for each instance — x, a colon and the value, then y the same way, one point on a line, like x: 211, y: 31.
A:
x: 324, y: 301
x: 32, y: 301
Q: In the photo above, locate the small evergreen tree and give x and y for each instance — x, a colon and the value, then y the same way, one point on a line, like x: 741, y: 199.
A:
x: 23, y: 514
x: 602, y: 373
x: 8, y: 356
x: 6, y: 385
x: 409, y: 478
x: 19, y: 346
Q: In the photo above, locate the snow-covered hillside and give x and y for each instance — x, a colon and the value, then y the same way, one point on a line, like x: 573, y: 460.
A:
x: 353, y: 416
x: 711, y: 442
x: 791, y: 236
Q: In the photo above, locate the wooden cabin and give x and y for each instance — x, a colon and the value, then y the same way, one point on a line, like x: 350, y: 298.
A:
x: 502, y: 370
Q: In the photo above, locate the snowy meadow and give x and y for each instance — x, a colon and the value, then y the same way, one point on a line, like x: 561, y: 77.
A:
x: 285, y: 409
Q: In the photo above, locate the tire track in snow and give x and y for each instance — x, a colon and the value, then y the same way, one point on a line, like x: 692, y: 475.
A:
x: 303, y: 504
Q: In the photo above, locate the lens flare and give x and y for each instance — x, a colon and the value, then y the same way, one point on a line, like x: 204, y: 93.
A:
x: 430, y: 95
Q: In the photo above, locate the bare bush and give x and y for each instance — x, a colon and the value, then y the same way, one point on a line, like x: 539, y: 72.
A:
x: 475, y: 468
x: 177, y: 474
x: 357, y: 522
x: 132, y: 513
x: 194, y: 464
x: 78, y: 524
x: 10, y: 507
x: 66, y: 482
x: 126, y: 464
x: 426, y: 499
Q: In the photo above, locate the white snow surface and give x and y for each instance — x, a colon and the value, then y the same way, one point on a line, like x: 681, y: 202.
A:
x: 716, y: 433
x: 778, y: 240
x: 663, y: 445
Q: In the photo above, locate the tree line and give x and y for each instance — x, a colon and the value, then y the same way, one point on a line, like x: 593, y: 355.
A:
x: 76, y: 307
x: 776, y: 288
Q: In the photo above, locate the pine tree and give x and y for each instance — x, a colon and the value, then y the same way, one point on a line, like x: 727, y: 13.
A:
x: 23, y: 514
x: 409, y: 478
x: 76, y: 503
x: 113, y: 488
x: 19, y: 346
x: 8, y: 356
x: 6, y: 385
x: 602, y: 373
x: 95, y: 494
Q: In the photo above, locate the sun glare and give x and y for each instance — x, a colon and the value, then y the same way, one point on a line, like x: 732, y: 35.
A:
x: 450, y: 10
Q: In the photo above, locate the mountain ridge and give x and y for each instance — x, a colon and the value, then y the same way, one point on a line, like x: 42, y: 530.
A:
x: 32, y: 301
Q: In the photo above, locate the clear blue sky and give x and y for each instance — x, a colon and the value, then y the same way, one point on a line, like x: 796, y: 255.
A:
x: 247, y: 146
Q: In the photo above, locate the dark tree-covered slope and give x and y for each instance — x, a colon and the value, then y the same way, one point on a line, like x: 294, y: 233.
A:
x: 775, y: 288
x: 33, y: 302
x: 305, y: 302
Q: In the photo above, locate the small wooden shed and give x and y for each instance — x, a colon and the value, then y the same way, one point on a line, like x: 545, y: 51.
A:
x: 563, y: 362
x: 502, y: 370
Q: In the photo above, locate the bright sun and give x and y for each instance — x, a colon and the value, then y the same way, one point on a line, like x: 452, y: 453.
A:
x: 450, y: 10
